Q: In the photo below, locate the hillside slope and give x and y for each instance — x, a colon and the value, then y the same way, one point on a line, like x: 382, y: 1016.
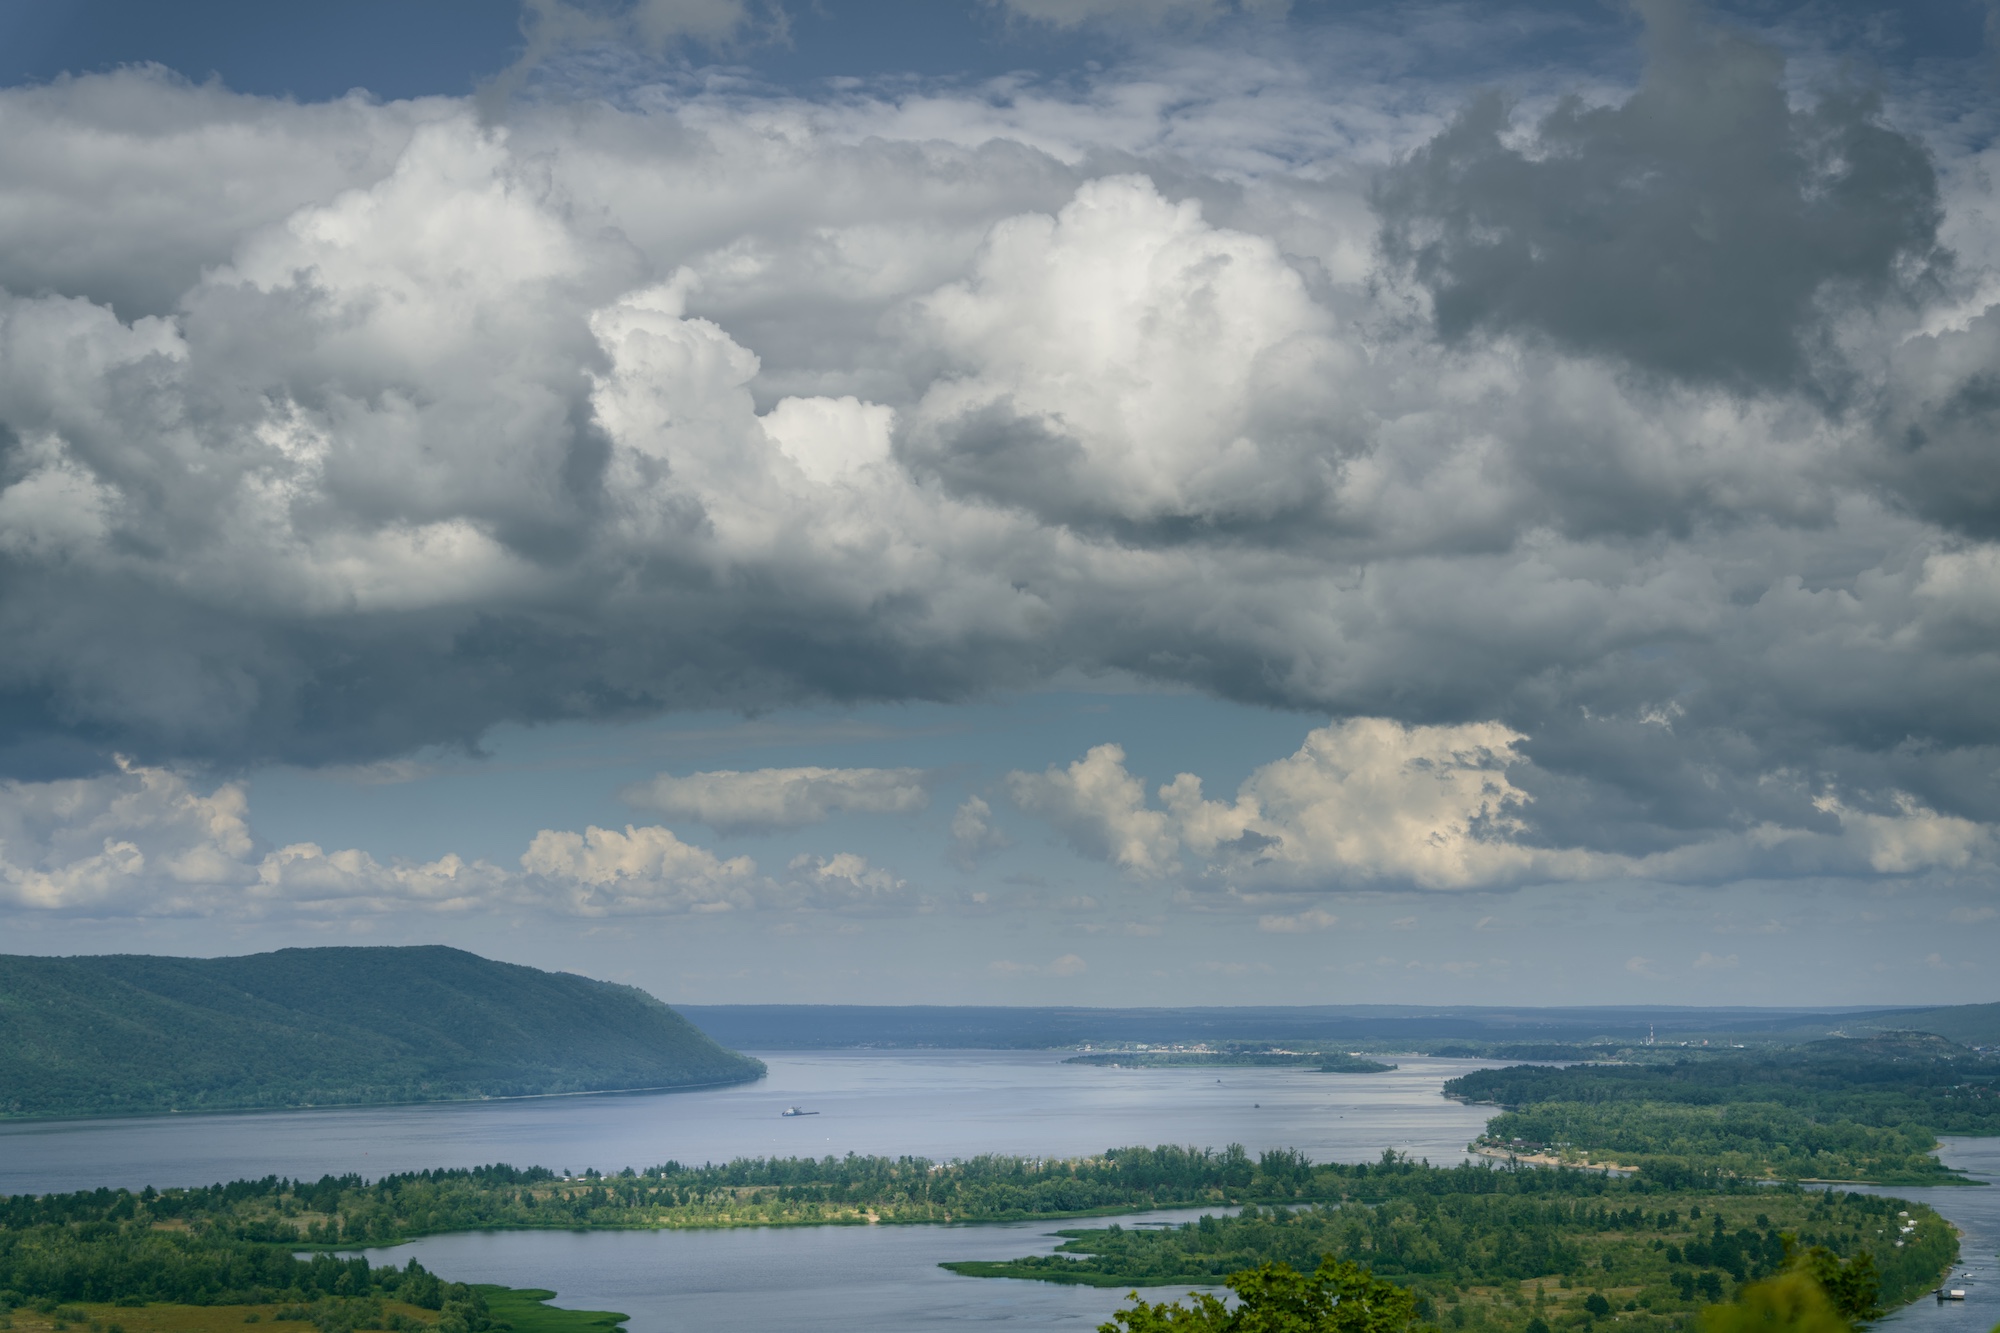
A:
x: 1968, y: 1024
x: 131, y: 1033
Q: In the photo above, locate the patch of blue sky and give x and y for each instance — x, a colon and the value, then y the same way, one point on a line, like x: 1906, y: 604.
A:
x: 569, y: 776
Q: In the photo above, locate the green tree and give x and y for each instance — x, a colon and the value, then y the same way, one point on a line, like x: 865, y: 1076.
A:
x: 1853, y: 1288
x: 1337, y: 1297
x: 1789, y: 1303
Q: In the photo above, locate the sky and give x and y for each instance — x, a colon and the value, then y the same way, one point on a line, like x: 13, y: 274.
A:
x: 1010, y: 501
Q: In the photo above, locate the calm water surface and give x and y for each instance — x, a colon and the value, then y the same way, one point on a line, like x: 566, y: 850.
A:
x: 936, y: 1104
x: 879, y: 1279
x: 1976, y: 1213
x: 939, y: 1104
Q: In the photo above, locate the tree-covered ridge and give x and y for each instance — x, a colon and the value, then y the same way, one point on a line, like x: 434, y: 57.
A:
x: 1325, y: 1062
x: 1867, y: 1109
x: 1907, y: 1078
x: 126, y: 1034
x: 1490, y: 1251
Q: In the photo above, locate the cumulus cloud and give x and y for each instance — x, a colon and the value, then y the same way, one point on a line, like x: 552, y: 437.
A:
x: 105, y: 842
x: 1126, y: 360
x: 1102, y: 811
x: 1370, y: 798
x: 603, y: 871
x: 771, y: 798
x: 847, y: 881
x: 1312, y: 919
x: 151, y: 842
x: 973, y: 834
x: 1370, y: 801
x: 1069, y: 965
x: 331, y: 432
x: 1364, y: 800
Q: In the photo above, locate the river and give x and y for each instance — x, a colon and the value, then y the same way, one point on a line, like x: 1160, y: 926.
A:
x: 1975, y: 1212
x: 937, y: 1104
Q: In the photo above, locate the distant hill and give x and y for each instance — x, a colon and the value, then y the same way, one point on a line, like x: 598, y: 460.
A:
x: 1967, y: 1024
x: 792, y: 1027
x: 131, y: 1033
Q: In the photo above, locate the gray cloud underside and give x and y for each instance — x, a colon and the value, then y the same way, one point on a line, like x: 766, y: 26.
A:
x: 327, y: 432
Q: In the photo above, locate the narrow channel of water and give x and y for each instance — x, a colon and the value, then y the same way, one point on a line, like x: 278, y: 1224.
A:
x: 881, y: 1279
x: 1975, y: 1211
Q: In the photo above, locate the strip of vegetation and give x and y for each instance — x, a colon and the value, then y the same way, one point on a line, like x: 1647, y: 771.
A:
x: 522, y: 1310
x: 527, y: 1310
x: 1492, y: 1250
x: 1867, y: 1110
x: 346, y: 1210
x: 1527, y: 1050
x: 1325, y: 1062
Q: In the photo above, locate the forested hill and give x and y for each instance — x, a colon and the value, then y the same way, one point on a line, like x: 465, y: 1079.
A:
x: 130, y: 1033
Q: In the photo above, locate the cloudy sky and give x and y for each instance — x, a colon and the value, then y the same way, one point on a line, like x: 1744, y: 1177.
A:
x: 1021, y: 501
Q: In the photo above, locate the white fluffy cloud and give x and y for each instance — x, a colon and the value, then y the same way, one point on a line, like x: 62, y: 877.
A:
x: 1372, y: 802
x: 98, y: 843
x: 150, y: 842
x: 1102, y: 810
x: 1128, y: 358
x: 769, y: 798
x: 642, y: 869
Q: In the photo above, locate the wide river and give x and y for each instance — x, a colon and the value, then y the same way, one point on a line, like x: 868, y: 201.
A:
x: 937, y: 1104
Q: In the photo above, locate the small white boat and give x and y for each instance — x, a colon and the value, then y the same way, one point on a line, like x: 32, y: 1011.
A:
x: 1950, y: 1294
x: 796, y: 1110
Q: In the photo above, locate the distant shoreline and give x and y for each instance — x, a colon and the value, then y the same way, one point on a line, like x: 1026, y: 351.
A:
x: 7, y: 1119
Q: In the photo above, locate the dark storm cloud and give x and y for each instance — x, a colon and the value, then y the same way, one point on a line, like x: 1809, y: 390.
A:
x: 712, y: 400
x: 1939, y: 450
x: 1703, y: 228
